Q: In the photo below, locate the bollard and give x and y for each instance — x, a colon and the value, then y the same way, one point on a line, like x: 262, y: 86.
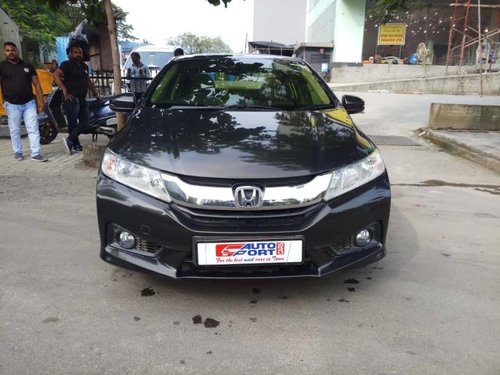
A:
x: 92, y: 154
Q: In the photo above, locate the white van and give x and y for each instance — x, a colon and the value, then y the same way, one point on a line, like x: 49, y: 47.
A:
x: 153, y: 56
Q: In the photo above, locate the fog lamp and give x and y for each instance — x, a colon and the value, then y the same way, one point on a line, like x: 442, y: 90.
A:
x: 126, y: 240
x: 363, y: 238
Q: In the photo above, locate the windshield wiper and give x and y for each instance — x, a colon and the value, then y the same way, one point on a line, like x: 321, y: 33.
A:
x: 187, y: 106
x: 223, y: 107
x: 316, y: 107
x: 252, y: 106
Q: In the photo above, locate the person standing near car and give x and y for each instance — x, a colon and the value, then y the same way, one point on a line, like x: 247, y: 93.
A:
x: 178, y: 52
x: 16, y: 80
x: 138, y: 74
x: 73, y: 79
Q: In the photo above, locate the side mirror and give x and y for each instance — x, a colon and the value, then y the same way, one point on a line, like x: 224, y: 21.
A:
x: 353, y: 104
x: 123, y: 102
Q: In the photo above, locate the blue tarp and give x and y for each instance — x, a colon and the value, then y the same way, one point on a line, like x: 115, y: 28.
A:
x: 61, y: 44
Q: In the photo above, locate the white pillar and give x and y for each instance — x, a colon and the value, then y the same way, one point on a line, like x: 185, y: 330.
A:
x: 348, y: 33
x: 341, y: 22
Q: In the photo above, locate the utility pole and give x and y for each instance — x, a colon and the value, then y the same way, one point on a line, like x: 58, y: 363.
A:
x: 117, y: 78
x: 480, y: 48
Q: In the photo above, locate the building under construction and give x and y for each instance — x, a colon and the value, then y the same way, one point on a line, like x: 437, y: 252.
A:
x: 473, y: 41
x: 450, y: 30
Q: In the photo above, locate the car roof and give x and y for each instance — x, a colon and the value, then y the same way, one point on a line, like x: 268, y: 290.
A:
x: 254, y: 56
x: 155, y: 48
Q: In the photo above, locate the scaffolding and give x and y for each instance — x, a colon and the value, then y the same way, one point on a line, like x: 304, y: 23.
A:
x: 465, y: 37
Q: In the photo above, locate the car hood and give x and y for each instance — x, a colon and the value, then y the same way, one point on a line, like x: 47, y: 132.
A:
x: 241, y: 144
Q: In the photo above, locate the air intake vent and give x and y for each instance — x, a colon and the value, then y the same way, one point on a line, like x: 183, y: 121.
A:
x: 147, y: 246
x: 340, y: 246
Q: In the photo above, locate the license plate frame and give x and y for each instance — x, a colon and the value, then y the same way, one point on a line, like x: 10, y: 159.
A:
x: 252, y: 252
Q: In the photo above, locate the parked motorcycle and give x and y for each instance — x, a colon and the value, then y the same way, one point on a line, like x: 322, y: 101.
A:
x: 102, y: 120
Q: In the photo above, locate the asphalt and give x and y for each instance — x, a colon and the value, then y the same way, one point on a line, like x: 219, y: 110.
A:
x: 58, y: 159
x: 429, y: 307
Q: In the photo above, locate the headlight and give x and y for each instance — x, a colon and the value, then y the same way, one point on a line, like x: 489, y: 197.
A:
x: 355, y: 175
x: 135, y: 176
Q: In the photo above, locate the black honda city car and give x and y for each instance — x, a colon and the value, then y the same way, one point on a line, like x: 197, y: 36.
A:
x: 241, y: 166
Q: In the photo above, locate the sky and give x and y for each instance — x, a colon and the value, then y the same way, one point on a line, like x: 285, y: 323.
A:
x: 158, y: 20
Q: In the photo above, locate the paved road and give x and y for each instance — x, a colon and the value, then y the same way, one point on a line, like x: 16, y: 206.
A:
x: 432, y: 306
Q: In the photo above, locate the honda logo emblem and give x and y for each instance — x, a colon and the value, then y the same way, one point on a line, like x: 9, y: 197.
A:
x: 248, y: 197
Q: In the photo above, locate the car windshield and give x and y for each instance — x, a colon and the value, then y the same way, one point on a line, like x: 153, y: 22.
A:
x: 152, y: 59
x: 244, y: 83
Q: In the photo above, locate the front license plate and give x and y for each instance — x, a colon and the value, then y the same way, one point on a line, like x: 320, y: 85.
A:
x: 249, y: 252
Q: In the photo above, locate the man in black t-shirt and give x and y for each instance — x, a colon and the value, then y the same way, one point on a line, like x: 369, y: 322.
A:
x: 16, y: 78
x: 73, y: 79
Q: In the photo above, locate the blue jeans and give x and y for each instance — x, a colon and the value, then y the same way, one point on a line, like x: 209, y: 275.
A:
x: 77, y: 114
x: 28, y: 112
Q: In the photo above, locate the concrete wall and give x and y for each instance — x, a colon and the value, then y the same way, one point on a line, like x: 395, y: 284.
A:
x: 9, y: 32
x: 451, y: 85
x: 464, y: 117
x: 386, y: 72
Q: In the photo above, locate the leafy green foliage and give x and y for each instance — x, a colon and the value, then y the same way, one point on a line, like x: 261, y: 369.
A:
x: 41, y: 21
x: 217, y: 2
x: 36, y: 22
x: 93, y: 10
x: 192, y: 44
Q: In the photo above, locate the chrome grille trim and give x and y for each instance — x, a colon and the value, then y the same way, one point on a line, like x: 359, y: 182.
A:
x: 222, y: 198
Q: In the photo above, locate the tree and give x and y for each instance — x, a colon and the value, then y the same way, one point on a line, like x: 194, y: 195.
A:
x: 94, y: 9
x: 38, y: 25
x: 217, y: 2
x: 115, y: 56
x: 191, y: 44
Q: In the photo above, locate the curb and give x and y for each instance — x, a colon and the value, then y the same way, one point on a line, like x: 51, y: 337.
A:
x: 459, y: 149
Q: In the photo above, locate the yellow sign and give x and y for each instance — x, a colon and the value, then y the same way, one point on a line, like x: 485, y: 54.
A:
x: 392, y: 34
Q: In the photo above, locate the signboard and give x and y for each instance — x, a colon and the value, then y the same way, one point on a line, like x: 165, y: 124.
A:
x: 391, y: 34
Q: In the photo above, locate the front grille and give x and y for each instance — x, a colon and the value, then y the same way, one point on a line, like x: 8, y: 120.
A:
x: 307, y: 268
x: 271, y: 219
x: 264, y: 195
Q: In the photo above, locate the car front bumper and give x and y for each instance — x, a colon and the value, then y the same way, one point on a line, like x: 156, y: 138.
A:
x: 167, y: 234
